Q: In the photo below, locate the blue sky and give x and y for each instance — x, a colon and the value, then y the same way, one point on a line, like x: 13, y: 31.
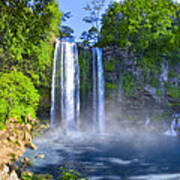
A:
x: 76, y: 8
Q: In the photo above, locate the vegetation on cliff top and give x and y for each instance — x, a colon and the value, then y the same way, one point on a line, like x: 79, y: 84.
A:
x: 147, y: 36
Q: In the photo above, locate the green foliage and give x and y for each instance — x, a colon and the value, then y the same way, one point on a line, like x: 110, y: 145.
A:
x: 84, y: 70
x: 109, y: 66
x: 66, y: 31
x: 94, y: 9
x: 69, y: 174
x: 27, y: 33
x: 146, y: 27
x: 18, y: 96
x: 147, y: 33
x: 37, y: 177
x: 111, y: 86
x: 172, y: 73
x: 173, y: 91
x: 159, y: 92
x: 154, y: 82
x: 2, y: 125
x: 176, y: 104
x: 160, y: 117
x: 128, y: 83
x: 83, y: 66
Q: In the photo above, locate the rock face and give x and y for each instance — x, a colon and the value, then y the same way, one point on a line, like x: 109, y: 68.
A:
x: 123, y: 73
x: 14, y: 140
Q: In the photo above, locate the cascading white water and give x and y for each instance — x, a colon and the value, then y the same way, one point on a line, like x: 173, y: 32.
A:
x: 77, y: 88
x: 101, y: 109
x: 65, y: 87
x: 147, y: 122
x: 120, y: 84
x: 164, y: 73
x: 98, y: 91
x: 94, y: 89
x: 53, y: 89
x: 175, y: 126
x: 164, y: 76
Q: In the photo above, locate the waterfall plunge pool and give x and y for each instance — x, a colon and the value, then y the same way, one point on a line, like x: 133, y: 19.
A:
x: 109, y: 157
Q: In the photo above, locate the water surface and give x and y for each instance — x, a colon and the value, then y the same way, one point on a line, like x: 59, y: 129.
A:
x: 122, y: 156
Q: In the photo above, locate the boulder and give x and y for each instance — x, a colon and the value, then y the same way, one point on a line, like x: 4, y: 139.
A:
x: 5, y: 173
x: 13, y: 176
x: 40, y: 156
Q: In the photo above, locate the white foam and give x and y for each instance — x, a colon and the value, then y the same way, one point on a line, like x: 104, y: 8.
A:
x: 119, y: 161
x: 157, y: 177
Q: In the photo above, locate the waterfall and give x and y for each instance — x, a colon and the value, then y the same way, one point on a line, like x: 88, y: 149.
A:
x: 164, y: 76
x: 148, y: 120
x: 94, y: 89
x: 175, y: 126
x: 53, y: 89
x: 98, y: 91
x: 164, y: 73
x: 120, y: 83
x: 65, y: 87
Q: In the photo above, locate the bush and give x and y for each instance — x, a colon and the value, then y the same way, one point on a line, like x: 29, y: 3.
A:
x: 18, y: 97
x: 37, y: 177
x: 128, y: 83
x: 70, y: 174
x: 109, y: 66
x: 172, y: 91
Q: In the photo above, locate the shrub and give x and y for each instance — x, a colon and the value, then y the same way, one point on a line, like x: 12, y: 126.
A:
x: 70, y: 174
x: 18, y: 96
x: 109, y: 66
x: 128, y: 83
x: 37, y: 177
x: 172, y: 91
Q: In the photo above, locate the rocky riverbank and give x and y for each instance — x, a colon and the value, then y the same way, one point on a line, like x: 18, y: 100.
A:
x: 14, y: 140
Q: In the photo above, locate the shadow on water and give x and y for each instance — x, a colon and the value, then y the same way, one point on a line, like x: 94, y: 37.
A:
x: 136, y: 156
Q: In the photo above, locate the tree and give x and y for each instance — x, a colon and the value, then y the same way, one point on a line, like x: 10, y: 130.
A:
x: 142, y: 25
x: 18, y: 97
x: 66, y: 31
x: 148, y: 29
x: 147, y: 36
x: 94, y: 10
x: 27, y: 30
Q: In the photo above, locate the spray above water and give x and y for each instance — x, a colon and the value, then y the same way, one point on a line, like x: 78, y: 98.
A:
x: 65, y: 107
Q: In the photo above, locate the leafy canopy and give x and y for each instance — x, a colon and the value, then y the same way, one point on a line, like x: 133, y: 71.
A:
x: 146, y: 35
x: 28, y: 30
x: 94, y: 11
x: 26, y: 33
x: 18, y: 96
